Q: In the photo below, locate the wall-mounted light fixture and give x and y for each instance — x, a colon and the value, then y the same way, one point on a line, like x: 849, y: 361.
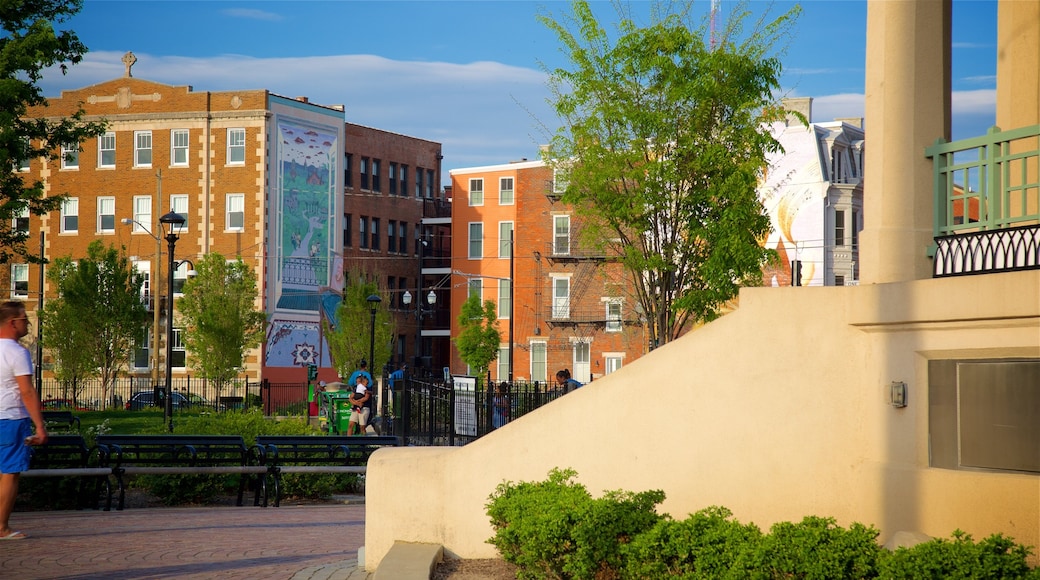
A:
x: 897, y: 394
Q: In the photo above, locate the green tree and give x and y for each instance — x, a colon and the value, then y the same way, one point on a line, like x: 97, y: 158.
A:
x: 220, y: 319
x: 478, y: 340
x: 349, y: 337
x: 661, y: 143
x: 98, y: 312
x: 28, y: 45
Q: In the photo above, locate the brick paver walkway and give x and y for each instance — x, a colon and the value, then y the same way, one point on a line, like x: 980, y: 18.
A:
x: 309, y: 541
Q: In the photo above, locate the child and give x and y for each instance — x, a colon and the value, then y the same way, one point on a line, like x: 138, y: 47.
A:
x: 358, y: 410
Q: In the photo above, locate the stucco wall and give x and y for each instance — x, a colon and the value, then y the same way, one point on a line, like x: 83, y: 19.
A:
x: 776, y: 411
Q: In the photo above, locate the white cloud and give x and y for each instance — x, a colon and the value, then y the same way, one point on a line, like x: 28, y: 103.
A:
x: 982, y: 101
x: 252, y: 14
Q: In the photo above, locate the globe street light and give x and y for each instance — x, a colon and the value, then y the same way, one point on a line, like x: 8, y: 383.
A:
x: 174, y: 220
x: 420, y: 313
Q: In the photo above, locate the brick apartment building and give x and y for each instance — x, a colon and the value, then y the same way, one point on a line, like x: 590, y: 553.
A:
x: 568, y: 306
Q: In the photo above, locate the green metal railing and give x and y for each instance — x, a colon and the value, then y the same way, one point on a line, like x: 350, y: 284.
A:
x: 986, y: 183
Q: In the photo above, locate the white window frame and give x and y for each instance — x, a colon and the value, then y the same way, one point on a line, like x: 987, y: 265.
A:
x: 142, y: 148
x: 178, y: 346
x: 614, y: 322
x: 107, y: 149
x: 236, y: 204
x: 19, y: 277
x: 581, y: 360
x: 21, y: 216
x: 180, y: 276
x: 475, y: 246
x: 144, y: 268
x: 475, y: 286
x: 539, y: 368
x: 180, y: 141
x: 70, y: 156
x: 561, y: 179
x: 476, y: 191
x: 505, y: 239
x: 179, y: 206
x: 236, y: 146
x: 506, y: 195
x: 561, y: 302
x: 561, y: 238
x: 505, y: 305
x: 70, y: 210
x: 106, y: 207
x: 145, y: 347
x: 612, y: 361
x: 23, y: 162
x: 503, y: 362
x: 142, y: 213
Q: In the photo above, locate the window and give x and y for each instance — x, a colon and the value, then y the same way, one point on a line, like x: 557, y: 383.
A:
x: 145, y: 270
x: 582, y: 361
x: 21, y: 221
x: 613, y: 315
x: 839, y: 228
x: 404, y: 180
x: 391, y: 238
x: 505, y: 239
x: 364, y: 173
x: 503, y: 363
x: 418, y: 182
x: 348, y: 235
x: 142, y: 213
x: 179, y: 206
x: 402, y: 237
x: 561, y: 292
x: 375, y: 233
x: 348, y: 168
x: 476, y: 287
x: 476, y: 192
x: 391, y: 178
x: 178, y: 359
x: 142, y: 148
x: 19, y: 280
x: 391, y: 282
x: 854, y: 226
x: 376, y: 185
x: 107, y: 150
x: 142, y: 352
x: 505, y: 304
x: 429, y: 184
x: 179, y: 147
x: 23, y: 159
x: 236, y: 212
x: 236, y: 146
x: 611, y: 363
x: 505, y: 191
x: 70, y: 156
x: 538, y: 361
x: 561, y: 235
x: 363, y: 230
x: 561, y: 179
x: 70, y: 216
x: 180, y: 276
x: 476, y: 240
x: 106, y: 215
x: 839, y: 280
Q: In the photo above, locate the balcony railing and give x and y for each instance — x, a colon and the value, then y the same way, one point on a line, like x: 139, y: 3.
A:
x: 987, y: 203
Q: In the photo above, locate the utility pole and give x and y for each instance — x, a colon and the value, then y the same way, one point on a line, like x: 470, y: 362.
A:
x: 157, y: 280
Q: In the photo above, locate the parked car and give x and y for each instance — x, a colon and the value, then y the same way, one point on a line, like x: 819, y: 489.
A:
x: 145, y: 399
x: 62, y: 405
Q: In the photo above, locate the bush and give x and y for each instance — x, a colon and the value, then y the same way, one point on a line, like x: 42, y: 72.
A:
x: 960, y: 558
x: 817, y: 548
x: 708, y: 544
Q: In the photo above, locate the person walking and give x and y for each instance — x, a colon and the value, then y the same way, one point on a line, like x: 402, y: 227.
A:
x: 19, y: 411
x: 565, y: 382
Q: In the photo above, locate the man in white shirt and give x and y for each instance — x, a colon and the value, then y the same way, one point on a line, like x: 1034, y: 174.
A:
x: 19, y: 411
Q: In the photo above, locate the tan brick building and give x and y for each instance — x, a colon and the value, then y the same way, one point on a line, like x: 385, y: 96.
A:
x: 570, y: 307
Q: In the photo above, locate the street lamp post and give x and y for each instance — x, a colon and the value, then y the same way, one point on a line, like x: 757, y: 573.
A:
x: 420, y: 313
x: 173, y: 220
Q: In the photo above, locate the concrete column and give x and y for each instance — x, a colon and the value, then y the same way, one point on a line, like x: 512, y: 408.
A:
x: 907, y: 109
x: 1018, y: 64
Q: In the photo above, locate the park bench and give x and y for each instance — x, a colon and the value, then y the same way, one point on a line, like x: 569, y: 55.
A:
x: 317, y: 454
x: 60, y: 420
x: 181, y: 454
x: 68, y: 456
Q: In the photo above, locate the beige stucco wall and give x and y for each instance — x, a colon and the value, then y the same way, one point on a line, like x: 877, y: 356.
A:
x: 776, y: 411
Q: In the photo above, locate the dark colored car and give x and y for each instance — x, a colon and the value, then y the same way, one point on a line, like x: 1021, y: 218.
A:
x: 146, y: 399
x: 62, y: 405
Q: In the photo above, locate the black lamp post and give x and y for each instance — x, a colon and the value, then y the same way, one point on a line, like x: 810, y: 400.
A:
x: 420, y: 313
x: 172, y: 220
x: 372, y: 301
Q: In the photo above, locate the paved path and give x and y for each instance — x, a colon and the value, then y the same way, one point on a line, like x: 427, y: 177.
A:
x: 308, y: 542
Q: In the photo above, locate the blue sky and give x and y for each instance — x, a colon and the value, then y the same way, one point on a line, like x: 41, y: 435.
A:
x: 463, y: 73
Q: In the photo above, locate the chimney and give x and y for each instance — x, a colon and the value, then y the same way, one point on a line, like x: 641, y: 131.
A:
x: 303, y: 99
x: 801, y: 105
x: 854, y: 121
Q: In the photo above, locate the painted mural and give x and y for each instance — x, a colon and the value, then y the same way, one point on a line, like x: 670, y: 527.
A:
x: 306, y: 274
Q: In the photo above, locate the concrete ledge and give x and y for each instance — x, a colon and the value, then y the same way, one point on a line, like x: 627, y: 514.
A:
x: 409, y: 561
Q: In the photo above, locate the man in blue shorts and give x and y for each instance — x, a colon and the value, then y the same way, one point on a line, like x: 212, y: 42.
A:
x: 19, y: 411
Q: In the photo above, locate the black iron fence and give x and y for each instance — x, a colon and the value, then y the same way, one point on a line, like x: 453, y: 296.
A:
x: 91, y: 394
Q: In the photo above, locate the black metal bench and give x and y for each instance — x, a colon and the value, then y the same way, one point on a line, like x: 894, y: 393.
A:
x: 68, y: 456
x: 318, y: 454
x: 60, y: 419
x: 182, y: 454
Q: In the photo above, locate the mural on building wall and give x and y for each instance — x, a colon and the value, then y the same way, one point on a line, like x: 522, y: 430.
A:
x: 306, y: 274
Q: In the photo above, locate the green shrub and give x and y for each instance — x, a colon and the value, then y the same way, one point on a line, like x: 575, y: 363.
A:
x: 817, y: 548
x: 960, y: 558
x: 603, y: 526
x: 709, y: 544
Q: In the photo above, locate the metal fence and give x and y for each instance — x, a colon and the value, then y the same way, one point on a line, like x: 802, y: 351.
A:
x: 91, y: 394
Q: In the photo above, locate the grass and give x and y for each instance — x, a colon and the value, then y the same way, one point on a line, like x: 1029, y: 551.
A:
x: 118, y: 421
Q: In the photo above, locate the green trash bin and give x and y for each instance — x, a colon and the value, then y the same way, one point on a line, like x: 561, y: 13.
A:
x: 340, y: 409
